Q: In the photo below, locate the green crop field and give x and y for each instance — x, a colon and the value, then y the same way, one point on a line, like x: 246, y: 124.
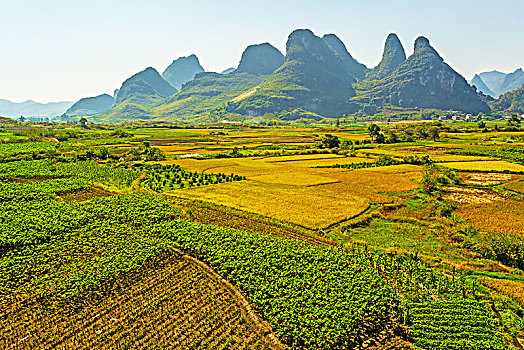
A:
x: 160, y: 235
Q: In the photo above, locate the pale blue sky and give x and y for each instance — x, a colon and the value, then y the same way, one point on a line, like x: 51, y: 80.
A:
x: 55, y: 50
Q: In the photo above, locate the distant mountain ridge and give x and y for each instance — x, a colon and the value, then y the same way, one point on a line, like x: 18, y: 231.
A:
x: 423, y: 80
x: 182, y: 70
x: 499, y: 83
x: 260, y: 59
x: 512, y: 101
x: 356, y: 69
x: 144, y: 87
x: 33, y: 109
x: 316, y: 78
x: 481, y: 86
x: 394, y: 55
x: 91, y: 105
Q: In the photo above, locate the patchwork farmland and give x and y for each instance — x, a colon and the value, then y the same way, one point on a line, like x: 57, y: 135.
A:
x: 241, y: 237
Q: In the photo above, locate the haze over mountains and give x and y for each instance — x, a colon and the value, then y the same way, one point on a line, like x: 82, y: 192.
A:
x: 316, y: 77
x: 496, y: 83
x: 32, y: 109
x: 182, y: 70
x: 91, y: 105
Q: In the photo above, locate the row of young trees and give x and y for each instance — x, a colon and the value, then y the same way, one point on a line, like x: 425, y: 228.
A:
x: 378, y: 136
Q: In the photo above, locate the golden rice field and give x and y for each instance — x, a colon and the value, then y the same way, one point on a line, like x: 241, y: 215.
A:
x: 289, y: 191
x: 395, y: 178
x: 436, y: 157
x: 325, y: 162
x: 351, y: 136
x: 260, y: 169
x: 182, y: 150
x: 311, y: 207
x: 504, y: 217
x: 487, y: 178
x: 517, y: 186
x: 494, y: 165
x: 456, y: 158
x: 357, y: 190
x: 301, y: 157
x: 201, y: 165
x: 512, y: 289
x: 388, y: 152
x: 291, y: 177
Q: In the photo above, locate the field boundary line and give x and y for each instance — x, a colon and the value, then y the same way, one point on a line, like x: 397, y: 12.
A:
x: 260, y: 326
x: 325, y: 183
x: 261, y: 218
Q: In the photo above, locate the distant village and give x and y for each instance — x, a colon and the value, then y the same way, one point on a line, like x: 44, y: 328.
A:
x: 457, y: 116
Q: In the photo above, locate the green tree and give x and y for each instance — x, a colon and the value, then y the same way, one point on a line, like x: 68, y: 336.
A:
x: 392, y: 137
x: 346, y: 144
x: 103, y: 153
x: 421, y: 132
x: 434, y: 133
x: 330, y: 141
x: 154, y: 153
x: 374, y: 131
x: 513, y: 123
x: 83, y: 122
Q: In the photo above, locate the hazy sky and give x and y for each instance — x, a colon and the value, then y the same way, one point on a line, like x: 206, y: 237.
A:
x: 52, y: 50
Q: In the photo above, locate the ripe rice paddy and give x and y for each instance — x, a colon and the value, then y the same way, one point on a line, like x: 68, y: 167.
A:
x: 504, y: 217
x: 395, y: 178
x: 467, y: 195
x: 513, y: 289
x: 307, y: 163
x: 310, y: 207
x: 495, y: 165
x: 302, y: 157
x: 332, y: 194
x: 457, y: 158
x: 516, y: 186
x: 483, y: 179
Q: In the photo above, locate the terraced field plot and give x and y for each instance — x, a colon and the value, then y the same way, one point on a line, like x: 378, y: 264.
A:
x: 183, y: 150
x: 517, y: 186
x: 311, y: 207
x: 395, y: 178
x: 436, y: 156
x: 513, y: 289
x: 504, y: 217
x: 302, y: 157
x: 495, y: 165
x: 260, y: 169
x: 176, y: 306
x: 456, y: 158
x: 467, y: 195
x: 307, y: 163
x: 332, y: 194
x: 484, y: 179
x: 402, y: 260
x: 441, y: 325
